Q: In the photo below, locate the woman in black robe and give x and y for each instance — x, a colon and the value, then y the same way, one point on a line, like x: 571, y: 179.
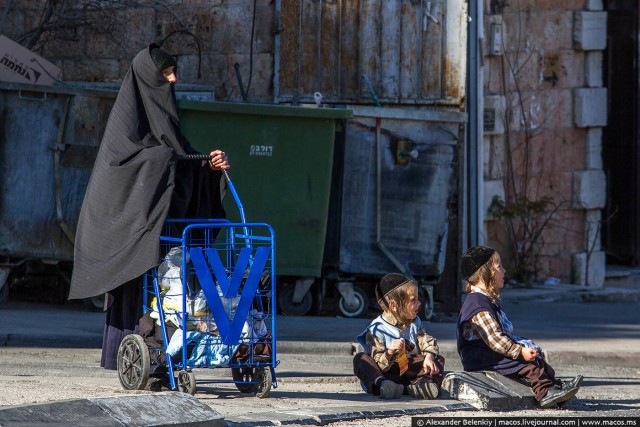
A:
x: 136, y: 183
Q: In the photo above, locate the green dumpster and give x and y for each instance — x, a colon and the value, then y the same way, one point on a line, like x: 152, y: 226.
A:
x: 281, y: 161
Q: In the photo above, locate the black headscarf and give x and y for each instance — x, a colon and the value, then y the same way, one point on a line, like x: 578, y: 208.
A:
x: 162, y: 58
x: 135, y: 182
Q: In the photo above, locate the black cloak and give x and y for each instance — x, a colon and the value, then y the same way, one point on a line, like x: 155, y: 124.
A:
x: 136, y: 183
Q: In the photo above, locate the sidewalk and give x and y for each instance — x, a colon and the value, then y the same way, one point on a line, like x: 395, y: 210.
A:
x: 556, y: 317
x: 547, y: 314
x: 565, y: 320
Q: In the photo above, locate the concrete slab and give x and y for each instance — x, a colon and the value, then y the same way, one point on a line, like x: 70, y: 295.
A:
x: 160, y: 409
x: 65, y: 413
x: 357, y: 411
x: 488, y: 390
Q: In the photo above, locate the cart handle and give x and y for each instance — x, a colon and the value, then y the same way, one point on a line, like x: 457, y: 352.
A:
x: 194, y: 157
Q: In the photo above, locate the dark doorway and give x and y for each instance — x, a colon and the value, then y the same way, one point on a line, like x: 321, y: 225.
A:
x: 620, y: 148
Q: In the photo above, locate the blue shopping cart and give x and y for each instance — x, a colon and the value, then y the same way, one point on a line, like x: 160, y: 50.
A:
x: 212, y: 300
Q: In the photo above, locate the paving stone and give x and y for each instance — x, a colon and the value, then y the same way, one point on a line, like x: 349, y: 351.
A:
x: 161, y: 409
x: 488, y: 390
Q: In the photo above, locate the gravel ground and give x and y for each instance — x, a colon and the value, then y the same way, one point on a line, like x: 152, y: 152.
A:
x: 306, y: 382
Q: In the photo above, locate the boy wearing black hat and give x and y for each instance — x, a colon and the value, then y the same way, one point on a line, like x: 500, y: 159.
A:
x: 485, y: 337
x: 399, y: 357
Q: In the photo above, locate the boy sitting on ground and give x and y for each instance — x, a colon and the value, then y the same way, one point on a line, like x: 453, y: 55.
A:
x: 399, y: 357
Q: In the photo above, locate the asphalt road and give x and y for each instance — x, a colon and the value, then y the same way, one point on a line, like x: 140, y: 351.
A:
x: 306, y: 383
x: 599, y: 340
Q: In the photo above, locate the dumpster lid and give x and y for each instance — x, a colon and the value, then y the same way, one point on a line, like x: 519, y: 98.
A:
x: 266, y: 109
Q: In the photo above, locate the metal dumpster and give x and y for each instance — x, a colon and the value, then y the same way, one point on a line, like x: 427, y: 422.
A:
x: 351, y: 193
x: 48, y: 143
x: 395, y: 184
x: 374, y: 202
x: 283, y: 159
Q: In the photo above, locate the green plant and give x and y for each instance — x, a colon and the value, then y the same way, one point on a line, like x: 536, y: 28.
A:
x: 526, y: 221
x: 527, y: 208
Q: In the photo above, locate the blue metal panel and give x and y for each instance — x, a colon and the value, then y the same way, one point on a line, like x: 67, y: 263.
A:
x: 48, y: 143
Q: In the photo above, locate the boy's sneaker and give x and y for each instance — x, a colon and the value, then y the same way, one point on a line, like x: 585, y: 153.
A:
x: 390, y: 390
x: 425, y: 388
x: 575, y: 382
x: 555, y: 397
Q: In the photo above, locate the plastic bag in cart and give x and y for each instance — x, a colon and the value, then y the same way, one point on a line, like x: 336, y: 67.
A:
x: 197, y: 310
x: 170, y: 278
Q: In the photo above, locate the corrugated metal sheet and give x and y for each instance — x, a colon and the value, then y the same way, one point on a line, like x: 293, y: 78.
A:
x: 49, y: 139
x: 48, y: 143
x: 412, y: 51
x: 396, y: 190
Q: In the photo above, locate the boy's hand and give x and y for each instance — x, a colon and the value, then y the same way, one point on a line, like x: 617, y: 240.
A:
x: 528, y: 354
x: 429, y: 365
x: 395, y: 347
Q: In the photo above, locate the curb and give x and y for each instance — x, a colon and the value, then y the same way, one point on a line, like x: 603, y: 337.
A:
x: 318, y: 347
x: 50, y: 341
x: 330, y: 415
x: 602, y: 358
x: 572, y: 293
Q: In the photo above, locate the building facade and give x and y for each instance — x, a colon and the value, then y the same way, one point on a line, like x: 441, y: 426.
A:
x: 545, y: 192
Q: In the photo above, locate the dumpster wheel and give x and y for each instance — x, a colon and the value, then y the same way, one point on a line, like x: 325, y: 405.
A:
x: 357, y: 307
x: 186, y: 382
x: 4, y: 285
x: 4, y: 293
x: 290, y: 307
x: 133, y: 362
x: 260, y: 374
x: 97, y: 303
x: 425, y: 294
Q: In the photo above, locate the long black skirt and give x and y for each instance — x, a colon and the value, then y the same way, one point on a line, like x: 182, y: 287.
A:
x: 122, y: 319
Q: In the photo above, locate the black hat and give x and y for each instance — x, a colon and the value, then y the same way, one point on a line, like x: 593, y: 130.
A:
x: 161, y: 58
x: 473, y: 259
x: 388, y: 283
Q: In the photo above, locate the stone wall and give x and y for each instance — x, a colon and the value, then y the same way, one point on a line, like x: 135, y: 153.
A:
x: 547, y: 118
x: 545, y: 107
x: 96, y: 40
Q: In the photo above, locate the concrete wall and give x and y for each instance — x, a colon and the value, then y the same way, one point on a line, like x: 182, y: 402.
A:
x: 543, y: 88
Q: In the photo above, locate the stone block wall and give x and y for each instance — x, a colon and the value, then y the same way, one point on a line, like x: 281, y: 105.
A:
x: 209, y: 37
x: 548, y: 76
x: 545, y: 83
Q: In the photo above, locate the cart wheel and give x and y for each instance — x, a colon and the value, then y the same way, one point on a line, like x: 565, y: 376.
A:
x: 186, y: 382
x: 244, y: 374
x: 285, y: 300
x: 133, y: 363
x: 266, y: 380
x: 358, y: 307
x: 263, y: 375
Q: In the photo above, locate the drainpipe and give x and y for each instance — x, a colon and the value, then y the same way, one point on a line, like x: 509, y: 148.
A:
x: 473, y: 183
x: 276, y: 54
